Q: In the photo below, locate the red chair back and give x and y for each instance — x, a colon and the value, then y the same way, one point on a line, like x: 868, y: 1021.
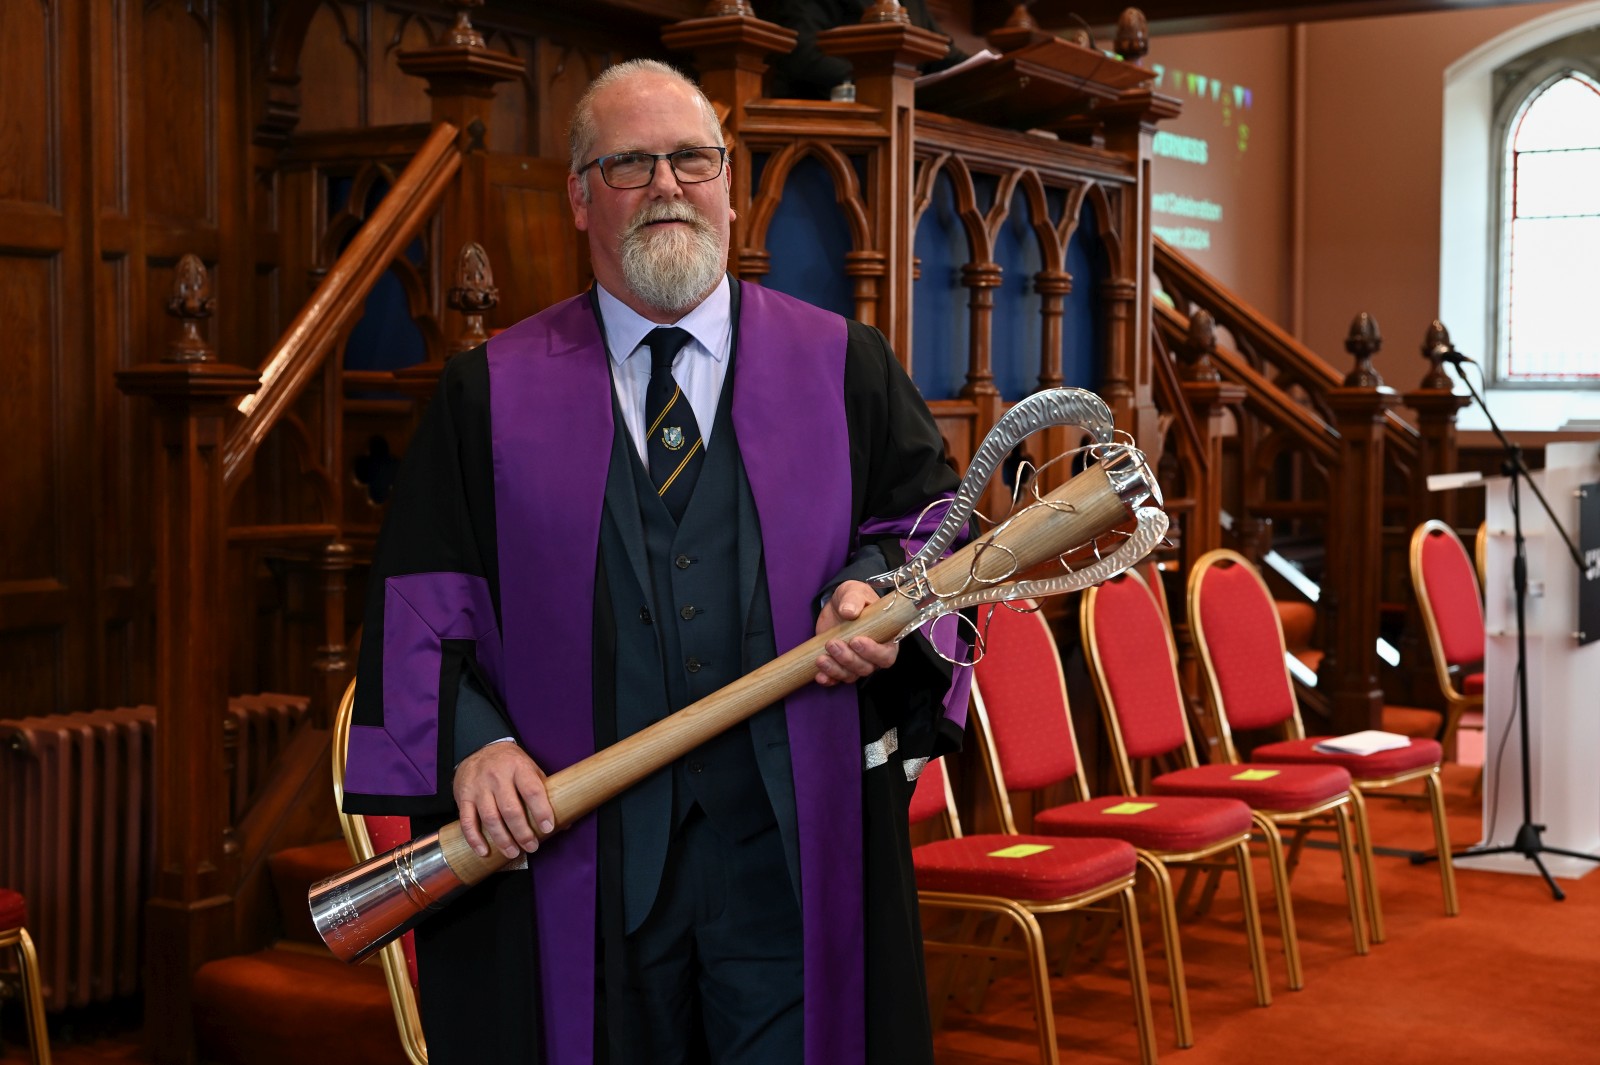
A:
x: 1025, y: 699
x: 1241, y: 642
x: 928, y: 799
x: 387, y: 832
x: 1450, y: 593
x: 1130, y: 652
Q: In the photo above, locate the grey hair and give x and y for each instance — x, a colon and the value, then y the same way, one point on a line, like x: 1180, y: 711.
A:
x: 582, y: 133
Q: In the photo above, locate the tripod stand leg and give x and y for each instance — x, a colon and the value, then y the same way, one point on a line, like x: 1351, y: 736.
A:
x: 1560, y: 896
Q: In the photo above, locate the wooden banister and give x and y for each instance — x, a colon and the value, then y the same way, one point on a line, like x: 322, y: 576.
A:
x: 1264, y: 398
x: 1251, y: 328
x: 339, y: 300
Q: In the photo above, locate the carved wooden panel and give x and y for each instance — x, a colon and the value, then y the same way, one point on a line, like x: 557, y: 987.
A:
x: 333, y: 64
x: 178, y: 67
x: 29, y: 294
x: 393, y: 96
x: 537, y: 255
x: 28, y: 54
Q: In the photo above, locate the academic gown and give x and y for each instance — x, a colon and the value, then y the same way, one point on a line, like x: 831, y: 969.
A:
x: 488, y: 563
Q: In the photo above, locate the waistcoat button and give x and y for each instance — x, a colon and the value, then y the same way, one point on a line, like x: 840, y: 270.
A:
x: 688, y: 613
x: 682, y: 561
x: 644, y: 614
x: 693, y: 665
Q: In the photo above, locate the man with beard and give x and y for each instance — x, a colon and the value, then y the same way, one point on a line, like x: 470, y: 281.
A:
x: 612, y: 510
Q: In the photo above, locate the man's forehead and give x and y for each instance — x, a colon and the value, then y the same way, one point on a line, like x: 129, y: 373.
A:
x: 664, y: 106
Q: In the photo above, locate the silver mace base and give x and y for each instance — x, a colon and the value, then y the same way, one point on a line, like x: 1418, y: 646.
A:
x: 365, y: 908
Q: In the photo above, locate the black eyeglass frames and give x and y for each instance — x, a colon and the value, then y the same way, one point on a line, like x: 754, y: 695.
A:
x: 633, y: 170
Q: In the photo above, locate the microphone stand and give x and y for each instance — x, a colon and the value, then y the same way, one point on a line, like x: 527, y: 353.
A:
x: 1528, y: 841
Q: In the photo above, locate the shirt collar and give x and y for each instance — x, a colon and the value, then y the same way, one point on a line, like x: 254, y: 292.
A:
x: 707, y: 323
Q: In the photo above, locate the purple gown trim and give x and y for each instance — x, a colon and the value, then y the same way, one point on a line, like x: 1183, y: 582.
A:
x: 550, y: 402
x: 420, y: 611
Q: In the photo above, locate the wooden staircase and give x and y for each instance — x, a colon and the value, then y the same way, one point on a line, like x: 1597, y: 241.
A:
x: 294, y: 1001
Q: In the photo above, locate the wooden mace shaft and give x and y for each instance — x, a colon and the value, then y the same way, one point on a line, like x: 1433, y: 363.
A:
x: 1085, y: 507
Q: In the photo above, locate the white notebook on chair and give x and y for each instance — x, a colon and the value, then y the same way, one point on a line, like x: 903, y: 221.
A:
x: 1370, y: 741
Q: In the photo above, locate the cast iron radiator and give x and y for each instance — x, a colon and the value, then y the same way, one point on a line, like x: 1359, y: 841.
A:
x: 76, y: 830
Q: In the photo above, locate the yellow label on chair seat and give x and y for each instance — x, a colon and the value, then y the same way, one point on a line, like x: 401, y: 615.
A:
x: 1256, y: 774
x: 1020, y: 850
x: 1129, y: 808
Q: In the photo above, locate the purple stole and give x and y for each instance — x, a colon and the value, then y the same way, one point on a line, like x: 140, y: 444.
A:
x: 550, y: 396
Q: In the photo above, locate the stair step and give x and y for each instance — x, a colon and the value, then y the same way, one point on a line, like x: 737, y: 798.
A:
x: 291, y: 1003
x: 293, y: 872
x: 1299, y: 623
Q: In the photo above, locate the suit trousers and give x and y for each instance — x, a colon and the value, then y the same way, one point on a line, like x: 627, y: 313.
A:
x: 714, y: 974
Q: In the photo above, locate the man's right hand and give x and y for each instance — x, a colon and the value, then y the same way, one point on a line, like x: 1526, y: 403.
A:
x: 497, y: 789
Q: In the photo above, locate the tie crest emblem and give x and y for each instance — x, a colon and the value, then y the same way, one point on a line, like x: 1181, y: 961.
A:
x: 672, y: 437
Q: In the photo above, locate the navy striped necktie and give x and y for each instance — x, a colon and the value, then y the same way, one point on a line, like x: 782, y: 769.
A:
x: 672, y: 435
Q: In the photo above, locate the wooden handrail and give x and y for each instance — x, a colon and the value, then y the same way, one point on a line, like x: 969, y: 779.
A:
x: 1264, y: 398
x: 1247, y: 324
x: 1169, y: 392
x: 339, y: 300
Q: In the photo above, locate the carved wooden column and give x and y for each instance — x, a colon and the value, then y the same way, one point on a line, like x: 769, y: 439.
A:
x: 1352, y: 590
x: 729, y: 46
x: 1129, y: 125
x: 189, y: 914
x: 885, y: 51
x: 1053, y: 287
x: 1436, y: 406
x: 462, y: 75
x: 1212, y: 399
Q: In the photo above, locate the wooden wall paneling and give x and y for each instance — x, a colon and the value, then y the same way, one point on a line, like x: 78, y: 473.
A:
x: 333, y: 62
x: 46, y: 411
x: 562, y: 69
x: 394, y: 97
x: 513, y: 114
x: 536, y: 254
x: 179, y: 63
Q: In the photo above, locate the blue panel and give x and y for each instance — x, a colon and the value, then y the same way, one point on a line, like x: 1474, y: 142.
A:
x: 385, y: 338
x: 938, y: 301
x: 1014, y: 334
x: 808, y: 239
x: 1083, y: 326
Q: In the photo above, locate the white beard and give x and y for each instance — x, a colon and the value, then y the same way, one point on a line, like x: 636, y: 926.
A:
x: 671, y: 269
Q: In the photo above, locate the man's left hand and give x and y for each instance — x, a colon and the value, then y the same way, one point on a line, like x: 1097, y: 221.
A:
x: 846, y: 663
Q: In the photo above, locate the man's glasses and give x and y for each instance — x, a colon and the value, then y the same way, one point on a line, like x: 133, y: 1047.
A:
x: 634, y: 170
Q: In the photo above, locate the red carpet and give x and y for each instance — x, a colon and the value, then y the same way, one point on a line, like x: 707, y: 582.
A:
x: 1512, y: 979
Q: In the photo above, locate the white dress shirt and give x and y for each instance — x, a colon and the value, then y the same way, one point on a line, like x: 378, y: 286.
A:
x: 700, y: 368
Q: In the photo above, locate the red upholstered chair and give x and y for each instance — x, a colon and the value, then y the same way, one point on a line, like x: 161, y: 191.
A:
x: 366, y: 837
x: 1240, y: 641
x: 1017, y: 878
x: 1130, y: 658
x: 1446, y: 583
x: 1025, y: 731
x: 14, y: 939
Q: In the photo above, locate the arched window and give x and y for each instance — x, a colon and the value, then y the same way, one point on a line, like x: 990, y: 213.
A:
x: 1549, y: 231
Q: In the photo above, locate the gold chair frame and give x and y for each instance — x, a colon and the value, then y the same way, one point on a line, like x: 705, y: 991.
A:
x: 1154, y: 863
x: 1457, y: 702
x: 1024, y: 914
x: 1294, y: 729
x: 1268, y: 822
x: 20, y: 943
x: 402, y: 996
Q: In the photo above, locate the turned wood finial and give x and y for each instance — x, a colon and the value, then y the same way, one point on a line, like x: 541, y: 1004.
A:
x: 885, y: 11
x: 474, y: 295
x: 1133, y: 35
x: 1019, y: 31
x: 191, y: 304
x: 1363, y: 342
x: 724, y: 8
x: 1435, y: 346
x: 1198, y: 347
x: 464, y: 34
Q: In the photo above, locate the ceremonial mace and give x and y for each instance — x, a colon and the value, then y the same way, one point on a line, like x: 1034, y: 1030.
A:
x: 360, y: 910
